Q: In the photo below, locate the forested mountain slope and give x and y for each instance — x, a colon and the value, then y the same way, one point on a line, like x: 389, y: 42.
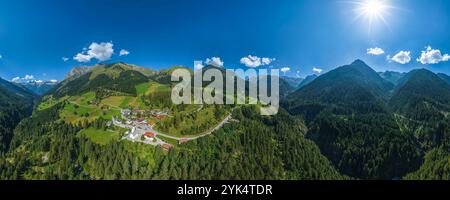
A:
x: 422, y: 95
x: 68, y: 136
x: 16, y: 103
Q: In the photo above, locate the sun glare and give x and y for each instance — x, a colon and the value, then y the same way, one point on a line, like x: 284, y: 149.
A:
x: 372, y: 10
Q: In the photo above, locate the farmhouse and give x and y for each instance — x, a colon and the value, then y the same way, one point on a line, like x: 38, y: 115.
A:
x: 159, y: 117
x: 149, y: 135
x: 166, y: 147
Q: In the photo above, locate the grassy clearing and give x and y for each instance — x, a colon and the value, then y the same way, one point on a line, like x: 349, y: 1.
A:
x: 114, y: 101
x: 110, y: 113
x: 168, y: 140
x: 49, y: 101
x: 100, y: 136
x: 156, y: 87
x: 85, y: 99
x: 74, y: 113
x: 141, y: 89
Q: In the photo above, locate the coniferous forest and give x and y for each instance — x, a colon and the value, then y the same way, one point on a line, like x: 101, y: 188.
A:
x: 347, y: 124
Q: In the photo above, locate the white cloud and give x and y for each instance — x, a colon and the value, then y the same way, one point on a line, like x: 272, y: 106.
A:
x: 123, y: 52
x: 251, y: 61
x: 255, y: 61
x: 375, y: 51
x: 1, y: 56
x: 53, y: 81
x: 432, y: 56
x: 267, y: 61
x: 82, y: 57
x: 28, y: 77
x: 402, y: 57
x: 214, y: 61
x: 317, y: 70
x: 198, y: 65
x: 297, y: 74
x: 16, y: 79
x: 285, y: 69
x: 39, y: 81
x: 65, y: 59
x: 101, y: 52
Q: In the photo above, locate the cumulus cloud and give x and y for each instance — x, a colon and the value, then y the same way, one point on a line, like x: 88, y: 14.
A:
x: 53, y: 81
x: 251, y: 61
x: 16, y: 79
x: 1, y: 56
x: 267, y: 61
x: 198, y: 65
x: 82, y: 57
x: 432, y: 56
x: 402, y: 57
x: 123, y: 52
x: 375, y: 51
x: 214, y: 61
x: 285, y: 69
x: 65, y: 59
x: 317, y: 70
x: 255, y: 61
x: 28, y: 77
x: 101, y: 52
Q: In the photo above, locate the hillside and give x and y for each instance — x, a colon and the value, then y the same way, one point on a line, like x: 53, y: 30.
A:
x: 17, y: 89
x: 292, y: 81
x: 116, y: 77
x: 16, y: 103
x: 39, y: 87
x: 307, y: 80
x: 105, y: 90
x: 349, y: 119
x: 347, y: 123
x: 69, y: 136
x: 422, y: 95
x: 444, y: 77
x: 351, y: 88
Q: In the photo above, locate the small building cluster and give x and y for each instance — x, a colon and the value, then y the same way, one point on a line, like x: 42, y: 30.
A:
x: 141, y: 116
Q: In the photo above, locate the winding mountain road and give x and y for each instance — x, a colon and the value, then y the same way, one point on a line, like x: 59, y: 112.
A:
x: 147, y: 128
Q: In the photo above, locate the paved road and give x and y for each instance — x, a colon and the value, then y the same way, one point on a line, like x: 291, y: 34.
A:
x: 147, y: 128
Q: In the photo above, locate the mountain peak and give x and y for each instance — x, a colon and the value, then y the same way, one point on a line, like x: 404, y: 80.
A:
x: 78, y: 71
x: 421, y: 89
x: 422, y: 71
x: 339, y: 88
x: 424, y: 76
x: 359, y: 62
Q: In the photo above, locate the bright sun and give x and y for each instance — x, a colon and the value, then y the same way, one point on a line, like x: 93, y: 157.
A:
x: 372, y: 10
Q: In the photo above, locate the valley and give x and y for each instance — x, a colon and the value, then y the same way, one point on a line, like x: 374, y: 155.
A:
x: 116, y: 121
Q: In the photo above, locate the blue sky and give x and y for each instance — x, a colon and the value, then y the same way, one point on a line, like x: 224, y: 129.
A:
x: 300, y: 34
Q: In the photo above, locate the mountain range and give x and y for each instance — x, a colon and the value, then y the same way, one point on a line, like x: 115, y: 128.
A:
x: 16, y: 103
x: 39, y: 87
x: 349, y: 123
